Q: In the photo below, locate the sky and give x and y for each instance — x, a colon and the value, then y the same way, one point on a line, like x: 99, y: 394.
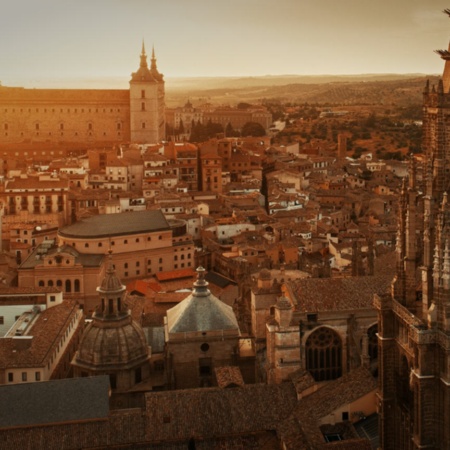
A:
x: 68, y: 43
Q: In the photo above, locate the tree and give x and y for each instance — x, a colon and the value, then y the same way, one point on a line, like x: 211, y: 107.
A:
x: 253, y: 129
x: 230, y: 131
x: 243, y: 105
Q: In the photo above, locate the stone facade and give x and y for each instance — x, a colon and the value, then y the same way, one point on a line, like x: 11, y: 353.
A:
x: 414, y: 322
x: 87, y: 116
x: 202, y: 334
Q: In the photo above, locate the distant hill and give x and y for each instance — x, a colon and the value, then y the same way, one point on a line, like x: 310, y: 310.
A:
x: 370, y: 89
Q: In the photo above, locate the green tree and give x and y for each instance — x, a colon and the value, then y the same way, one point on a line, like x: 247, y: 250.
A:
x: 253, y: 129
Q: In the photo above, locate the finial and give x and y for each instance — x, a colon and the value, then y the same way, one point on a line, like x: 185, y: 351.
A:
x: 201, y: 285
x: 143, y: 47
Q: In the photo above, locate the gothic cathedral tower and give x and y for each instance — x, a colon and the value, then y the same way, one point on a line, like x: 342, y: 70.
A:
x: 414, y: 321
x: 147, y: 103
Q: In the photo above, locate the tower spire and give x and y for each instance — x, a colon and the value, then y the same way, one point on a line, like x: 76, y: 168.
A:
x: 143, y: 56
x: 153, y: 60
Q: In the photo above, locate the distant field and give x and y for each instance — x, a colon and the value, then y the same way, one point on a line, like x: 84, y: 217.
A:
x: 388, y: 90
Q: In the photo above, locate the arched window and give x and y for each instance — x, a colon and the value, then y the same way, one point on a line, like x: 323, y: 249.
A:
x: 58, y: 283
x: 41, y: 283
x: 324, y: 354
x: 50, y: 283
x: 76, y: 286
x: 68, y: 286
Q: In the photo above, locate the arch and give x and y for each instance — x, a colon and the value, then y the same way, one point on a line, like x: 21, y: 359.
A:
x: 50, y: 283
x: 41, y: 283
x: 323, y: 350
x: 76, y: 285
x: 59, y: 283
x: 68, y: 286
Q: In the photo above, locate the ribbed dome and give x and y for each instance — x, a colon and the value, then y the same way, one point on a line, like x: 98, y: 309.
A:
x: 112, y: 341
x: 117, y: 344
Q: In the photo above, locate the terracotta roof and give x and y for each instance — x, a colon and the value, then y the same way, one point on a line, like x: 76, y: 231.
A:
x: 228, y: 376
x: 36, y: 184
x: 331, y: 294
x: 45, y: 336
x: 215, y: 412
x: 301, y: 430
x: 175, y: 274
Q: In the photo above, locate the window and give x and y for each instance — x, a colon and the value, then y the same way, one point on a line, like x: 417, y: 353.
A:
x: 52, y: 298
x: 24, y: 376
x: 143, y: 125
x: 10, y: 377
x: 125, y: 266
x: 137, y: 263
x: 142, y: 106
x: 37, y: 376
x: 143, y: 93
x: 324, y: 354
x: 2, y: 320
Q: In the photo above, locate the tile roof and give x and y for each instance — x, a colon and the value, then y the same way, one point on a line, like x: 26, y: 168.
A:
x: 40, y: 403
x: 228, y: 376
x: 301, y: 429
x: 45, y: 335
x: 332, y: 294
x: 215, y: 412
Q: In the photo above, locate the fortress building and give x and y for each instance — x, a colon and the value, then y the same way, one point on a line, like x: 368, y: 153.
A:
x: 414, y: 321
x: 87, y: 116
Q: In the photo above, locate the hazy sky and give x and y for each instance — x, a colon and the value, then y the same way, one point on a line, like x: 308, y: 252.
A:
x: 43, y: 40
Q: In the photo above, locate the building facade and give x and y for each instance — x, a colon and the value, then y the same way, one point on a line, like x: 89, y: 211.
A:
x: 144, y: 243
x: 91, y: 116
x: 414, y: 322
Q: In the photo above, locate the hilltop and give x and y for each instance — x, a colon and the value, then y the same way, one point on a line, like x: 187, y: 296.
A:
x: 370, y: 89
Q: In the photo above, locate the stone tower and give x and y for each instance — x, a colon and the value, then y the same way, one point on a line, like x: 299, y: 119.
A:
x: 147, y: 123
x: 414, y: 321
x: 113, y: 344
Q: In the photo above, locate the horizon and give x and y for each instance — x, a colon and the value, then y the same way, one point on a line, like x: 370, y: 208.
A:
x: 53, y: 40
x: 123, y: 83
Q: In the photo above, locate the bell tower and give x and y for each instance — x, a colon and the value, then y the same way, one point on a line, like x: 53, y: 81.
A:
x: 147, y: 102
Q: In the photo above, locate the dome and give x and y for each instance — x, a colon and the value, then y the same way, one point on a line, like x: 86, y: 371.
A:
x: 117, y: 344
x: 201, y: 311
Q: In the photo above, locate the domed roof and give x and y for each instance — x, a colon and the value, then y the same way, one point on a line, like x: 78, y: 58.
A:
x: 112, y: 341
x: 118, y: 344
x: 201, y: 311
